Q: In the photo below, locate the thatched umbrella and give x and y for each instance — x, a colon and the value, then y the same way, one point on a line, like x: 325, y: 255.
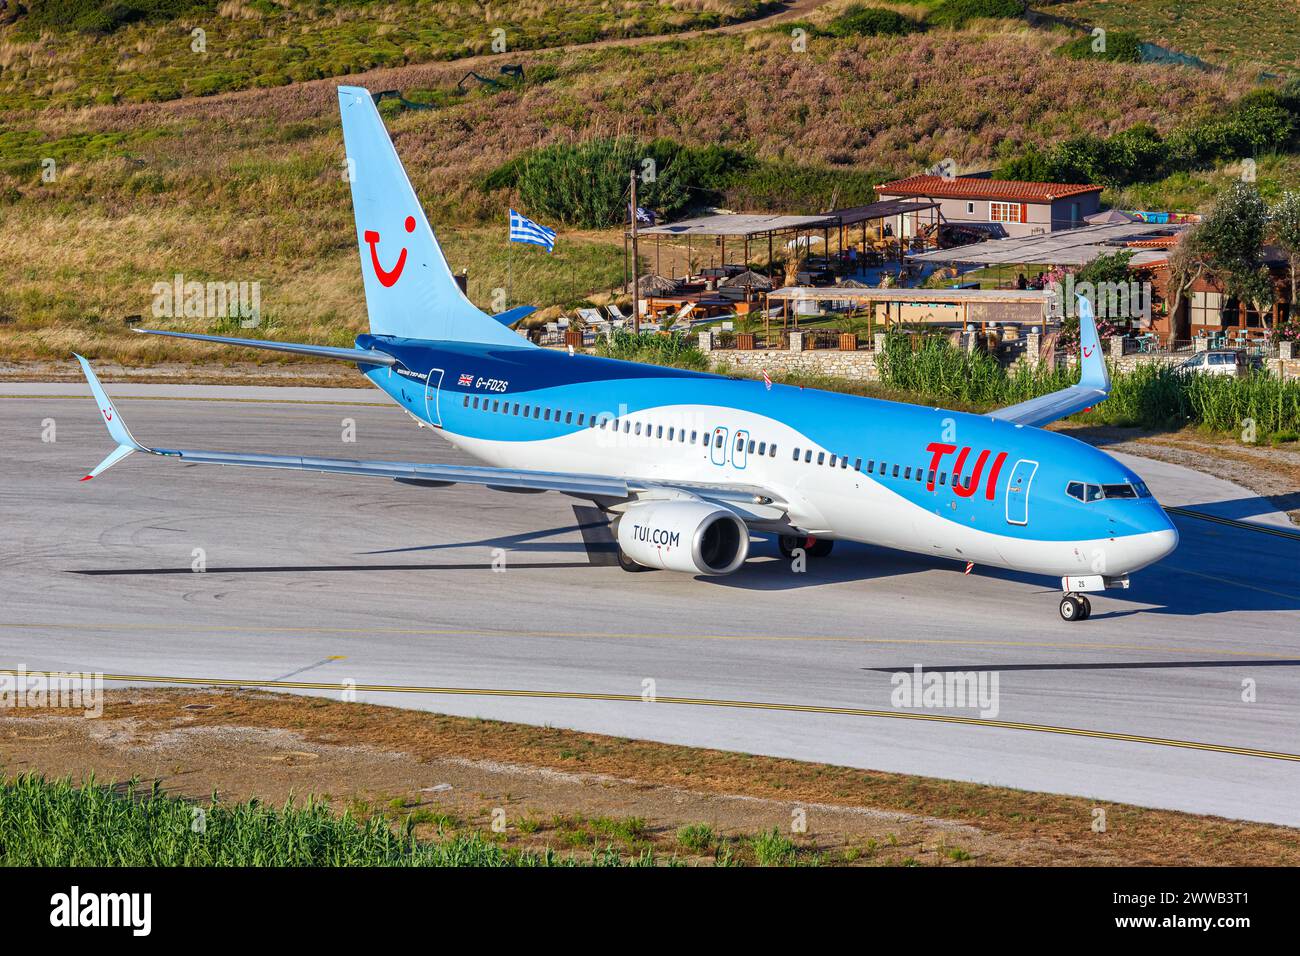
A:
x: 651, y: 284
x: 748, y: 279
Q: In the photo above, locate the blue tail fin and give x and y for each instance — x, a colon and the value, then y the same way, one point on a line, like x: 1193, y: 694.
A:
x: 410, y: 290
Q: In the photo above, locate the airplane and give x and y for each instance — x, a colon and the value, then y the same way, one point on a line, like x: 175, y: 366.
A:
x: 689, y: 464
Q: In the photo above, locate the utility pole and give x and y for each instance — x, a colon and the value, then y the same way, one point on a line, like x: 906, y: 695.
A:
x: 636, y: 269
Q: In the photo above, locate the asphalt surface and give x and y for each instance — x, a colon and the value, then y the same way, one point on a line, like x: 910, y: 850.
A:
x: 333, y: 585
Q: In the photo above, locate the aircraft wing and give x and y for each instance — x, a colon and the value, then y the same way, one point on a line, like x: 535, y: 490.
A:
x: 1093, y: 387
x: 362, y: 356
x: 752, y: 504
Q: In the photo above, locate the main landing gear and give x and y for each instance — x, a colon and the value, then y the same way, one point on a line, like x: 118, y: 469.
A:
x: 627, y: 564
x: 1075, y: 607
x: 812, y: 547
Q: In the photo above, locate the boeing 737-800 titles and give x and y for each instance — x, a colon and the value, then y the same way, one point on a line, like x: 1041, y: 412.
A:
x: 688, y: 463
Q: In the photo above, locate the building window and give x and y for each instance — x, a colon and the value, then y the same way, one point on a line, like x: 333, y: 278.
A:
x: 1207, y: 308
x: 1005, y: 212
x: 970, y: 209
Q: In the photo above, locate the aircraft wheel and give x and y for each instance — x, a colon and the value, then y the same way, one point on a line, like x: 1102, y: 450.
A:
x: 1072, y: 608
x: 821, y: 548
x: 1087, y: 607
x: 627, y: 564
x: 787, y: 543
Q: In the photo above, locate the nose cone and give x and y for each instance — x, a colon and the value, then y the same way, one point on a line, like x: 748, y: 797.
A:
x: 1157, y: 540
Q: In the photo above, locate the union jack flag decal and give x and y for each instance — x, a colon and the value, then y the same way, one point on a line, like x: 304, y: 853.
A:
x: 466, y: 379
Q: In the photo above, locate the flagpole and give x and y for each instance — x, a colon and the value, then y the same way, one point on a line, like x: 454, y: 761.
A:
x: 636, y: 268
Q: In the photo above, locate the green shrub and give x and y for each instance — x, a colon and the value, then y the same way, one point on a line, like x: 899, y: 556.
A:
x: 675, y: 349
x: 56, y: 823
x: 957, y: 13
x: 103, y: 18
x: 1120, y: 46
x: 859, y: 20
x: 585, y: 184
x: 696, y: 837
x: 772, y: 849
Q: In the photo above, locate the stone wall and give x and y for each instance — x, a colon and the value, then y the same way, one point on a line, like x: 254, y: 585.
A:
x: 859, y: 365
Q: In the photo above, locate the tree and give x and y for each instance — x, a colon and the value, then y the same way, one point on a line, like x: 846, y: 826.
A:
x: 1225, y: 246
x: 1286, y: 231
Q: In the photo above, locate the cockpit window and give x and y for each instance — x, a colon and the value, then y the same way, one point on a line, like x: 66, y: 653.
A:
x: 1119, y: 491
x: 1084, y: 492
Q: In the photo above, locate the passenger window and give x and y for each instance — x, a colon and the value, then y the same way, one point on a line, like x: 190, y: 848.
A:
x: 907, y: 472
x: 740, y: 443
x: 670, y: 433
x: 796, y: 455
x: 467, y: 401
x: 762, y: 448
x: 638, y: 428
x: 771, y: 452
x: 895, y: 471
x: 568, y: 418
x: 717, y: 441
x: 476, y: 401
x: 547, y: 416
x: 807, y: 457
x: 871, y: 466
x: 821, y: 457
x: 844, y: 461
x: 581, y: 416
x: 751, y: 447
x: 857, y: 464
x: 659, y: 431
x: 943, y: 477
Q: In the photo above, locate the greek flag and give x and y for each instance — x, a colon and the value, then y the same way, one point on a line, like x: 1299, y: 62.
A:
x: 523, y: 229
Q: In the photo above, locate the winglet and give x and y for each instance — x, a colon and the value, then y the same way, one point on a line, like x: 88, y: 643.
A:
x: 126, y: 442
x: 1092, y: 362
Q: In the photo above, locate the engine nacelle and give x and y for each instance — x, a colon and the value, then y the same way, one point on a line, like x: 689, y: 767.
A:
x: 690, y: 536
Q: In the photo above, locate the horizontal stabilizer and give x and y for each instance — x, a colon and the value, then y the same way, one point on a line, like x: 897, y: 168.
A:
x: 360, y: 356
x: 1093, y: 387
x: 511, y: 316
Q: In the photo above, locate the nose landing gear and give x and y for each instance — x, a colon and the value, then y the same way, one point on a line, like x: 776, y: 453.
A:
x: 1075, y: 607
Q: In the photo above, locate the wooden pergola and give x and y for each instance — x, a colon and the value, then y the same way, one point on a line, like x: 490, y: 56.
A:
x: 980, y: 306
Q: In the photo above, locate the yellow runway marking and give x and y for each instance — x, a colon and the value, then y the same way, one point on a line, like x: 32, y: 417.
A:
x: 181, y: 630
x: 707, y: 702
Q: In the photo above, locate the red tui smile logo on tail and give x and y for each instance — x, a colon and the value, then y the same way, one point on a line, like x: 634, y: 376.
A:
x: 387, y: 277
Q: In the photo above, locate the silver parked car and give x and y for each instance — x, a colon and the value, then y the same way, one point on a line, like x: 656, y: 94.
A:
x: 1218, y: 362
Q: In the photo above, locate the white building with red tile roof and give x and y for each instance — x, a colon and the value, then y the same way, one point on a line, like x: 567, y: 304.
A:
x: 1003, y: 207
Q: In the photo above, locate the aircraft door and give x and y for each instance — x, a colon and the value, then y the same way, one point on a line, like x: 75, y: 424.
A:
x: 1018, y: 482
x: 432, y: 393
x: 718, y: 446
x: 740, y: 449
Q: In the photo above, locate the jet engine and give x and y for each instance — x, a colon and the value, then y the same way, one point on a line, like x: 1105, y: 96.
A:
x: 691, y: 536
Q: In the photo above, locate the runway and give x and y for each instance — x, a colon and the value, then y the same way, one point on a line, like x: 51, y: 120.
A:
x: 318, y: 584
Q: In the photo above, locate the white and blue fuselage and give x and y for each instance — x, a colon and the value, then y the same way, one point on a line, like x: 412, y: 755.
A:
x: 927, y: 480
